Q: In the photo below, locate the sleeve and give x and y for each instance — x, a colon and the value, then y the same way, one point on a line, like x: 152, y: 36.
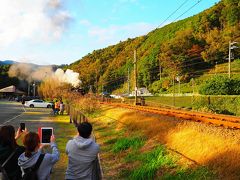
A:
x: 67, y: 147
x: 55, y: 153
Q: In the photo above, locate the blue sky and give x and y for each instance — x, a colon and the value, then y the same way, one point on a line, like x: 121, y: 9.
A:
x: 61, y: 32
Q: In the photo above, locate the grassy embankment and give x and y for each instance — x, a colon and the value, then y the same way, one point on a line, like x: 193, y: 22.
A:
x: 139, y: 146
x: 142, y: 146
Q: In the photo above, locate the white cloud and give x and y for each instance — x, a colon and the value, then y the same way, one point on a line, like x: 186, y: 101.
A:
x: 85, y: 22
x: 38, y: 21
x: 115, y: 33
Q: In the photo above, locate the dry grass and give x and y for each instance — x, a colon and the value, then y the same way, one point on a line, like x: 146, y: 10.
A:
x: 216, y: 148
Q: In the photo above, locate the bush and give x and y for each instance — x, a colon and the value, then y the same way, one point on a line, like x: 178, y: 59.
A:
x: 220, y: 85
x: 159, y: 86
x: 217, y: 104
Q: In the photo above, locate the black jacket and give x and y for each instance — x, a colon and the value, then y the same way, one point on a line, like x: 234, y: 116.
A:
x: 12, y: 168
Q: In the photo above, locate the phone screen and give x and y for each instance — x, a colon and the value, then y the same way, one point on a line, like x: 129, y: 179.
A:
x: 46, y: 135
x: 22, y: 126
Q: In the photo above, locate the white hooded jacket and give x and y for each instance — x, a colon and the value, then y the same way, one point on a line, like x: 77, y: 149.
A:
x: 82, y: 152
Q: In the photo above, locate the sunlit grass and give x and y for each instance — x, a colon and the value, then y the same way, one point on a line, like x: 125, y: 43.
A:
x: 205, y: 144
x: 151, y: 162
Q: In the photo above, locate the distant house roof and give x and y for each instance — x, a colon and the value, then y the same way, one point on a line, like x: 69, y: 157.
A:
x: 11, y: 89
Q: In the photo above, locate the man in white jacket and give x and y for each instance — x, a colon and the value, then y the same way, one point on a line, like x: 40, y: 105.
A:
x: 82, y: 152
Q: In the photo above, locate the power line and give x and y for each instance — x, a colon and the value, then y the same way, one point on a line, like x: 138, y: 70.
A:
x: 173, y: 13
x: 188, y: 9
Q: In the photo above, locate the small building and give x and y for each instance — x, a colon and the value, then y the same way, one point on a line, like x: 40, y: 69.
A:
x: 141, y: 92
x: 10, y: 91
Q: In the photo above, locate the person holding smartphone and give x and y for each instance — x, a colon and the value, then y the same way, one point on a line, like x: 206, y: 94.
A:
x: 10, y: 151
x: 33, y: 150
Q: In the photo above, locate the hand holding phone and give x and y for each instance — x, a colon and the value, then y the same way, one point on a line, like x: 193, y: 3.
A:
x: 22, y: 127
x: 52, y: 139
x: 46, y: 134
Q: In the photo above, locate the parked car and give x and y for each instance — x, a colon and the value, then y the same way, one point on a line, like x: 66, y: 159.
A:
x: 38, y: 103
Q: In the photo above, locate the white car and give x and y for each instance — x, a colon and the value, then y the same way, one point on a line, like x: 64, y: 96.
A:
x: 38, y: 103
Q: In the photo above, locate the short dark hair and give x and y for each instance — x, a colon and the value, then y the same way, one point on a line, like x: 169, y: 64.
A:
x: 85, y: 129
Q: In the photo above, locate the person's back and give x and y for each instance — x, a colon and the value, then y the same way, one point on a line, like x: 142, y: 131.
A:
x: 32, y: 153
x: 82, y: 152
x: 8, y: 146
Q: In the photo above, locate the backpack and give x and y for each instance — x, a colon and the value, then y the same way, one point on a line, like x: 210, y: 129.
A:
x: 3, y: 173
x: 31, y: 172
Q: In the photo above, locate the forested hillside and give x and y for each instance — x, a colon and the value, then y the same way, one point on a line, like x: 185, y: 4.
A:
x: 186, y: 49
x: 5, y: 80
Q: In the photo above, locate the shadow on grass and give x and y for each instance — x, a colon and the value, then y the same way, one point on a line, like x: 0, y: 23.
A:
x: 227, y: 164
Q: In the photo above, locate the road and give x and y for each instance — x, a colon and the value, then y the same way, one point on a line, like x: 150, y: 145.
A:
x: 13, y: 113
x: 9, y: 111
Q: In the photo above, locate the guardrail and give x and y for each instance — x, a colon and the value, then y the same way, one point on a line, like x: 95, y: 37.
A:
x: 77, y: 117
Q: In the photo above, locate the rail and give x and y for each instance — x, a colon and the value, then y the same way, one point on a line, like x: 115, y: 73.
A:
x: 228, y: 121
x: 76, y: 117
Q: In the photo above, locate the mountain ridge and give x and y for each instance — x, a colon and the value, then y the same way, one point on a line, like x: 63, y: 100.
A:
x: 7, y: 62
x: 182, y: 48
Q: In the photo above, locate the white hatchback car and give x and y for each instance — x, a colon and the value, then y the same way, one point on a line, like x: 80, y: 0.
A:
x: 38, y: 103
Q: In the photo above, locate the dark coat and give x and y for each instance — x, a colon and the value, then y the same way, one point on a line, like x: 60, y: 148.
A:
x: 12, y: 168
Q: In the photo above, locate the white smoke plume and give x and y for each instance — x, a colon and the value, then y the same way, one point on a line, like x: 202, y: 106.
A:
x: 31, y: 72
x: 68, y: 77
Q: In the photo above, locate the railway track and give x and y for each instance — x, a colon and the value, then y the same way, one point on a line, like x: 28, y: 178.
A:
x: 216, y: 119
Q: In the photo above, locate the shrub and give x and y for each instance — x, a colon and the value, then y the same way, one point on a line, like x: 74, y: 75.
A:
x: 220, y: 85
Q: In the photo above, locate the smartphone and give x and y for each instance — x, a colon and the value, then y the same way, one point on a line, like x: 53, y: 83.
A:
x: 22, y: 126
x: 45, y: 134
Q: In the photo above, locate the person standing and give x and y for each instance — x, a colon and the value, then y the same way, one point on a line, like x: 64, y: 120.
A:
x: 61, y: 108
x: 82, y: 151
x: 9, y: 147
x: 57, y: 106
x: 32, y: 153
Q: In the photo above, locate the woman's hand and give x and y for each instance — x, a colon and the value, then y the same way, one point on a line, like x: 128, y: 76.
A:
x: 19, y: 133
x: 52, y: 140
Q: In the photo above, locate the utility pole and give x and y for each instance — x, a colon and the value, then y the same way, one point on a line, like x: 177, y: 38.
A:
x: 96, y: 81
x: 160, y: 71
x: 174, y: 90
x: 179, y: 86
x: 128, y: 81
x: 229, y: 60
x: 216, y: 68
x: 229, y: 56
x: 135, y: 75
x: 102, y: 93
x: 28, y: 88
x: 34, y: 89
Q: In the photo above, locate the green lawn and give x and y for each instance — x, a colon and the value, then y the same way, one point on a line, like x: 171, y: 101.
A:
x: 178, y: 101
